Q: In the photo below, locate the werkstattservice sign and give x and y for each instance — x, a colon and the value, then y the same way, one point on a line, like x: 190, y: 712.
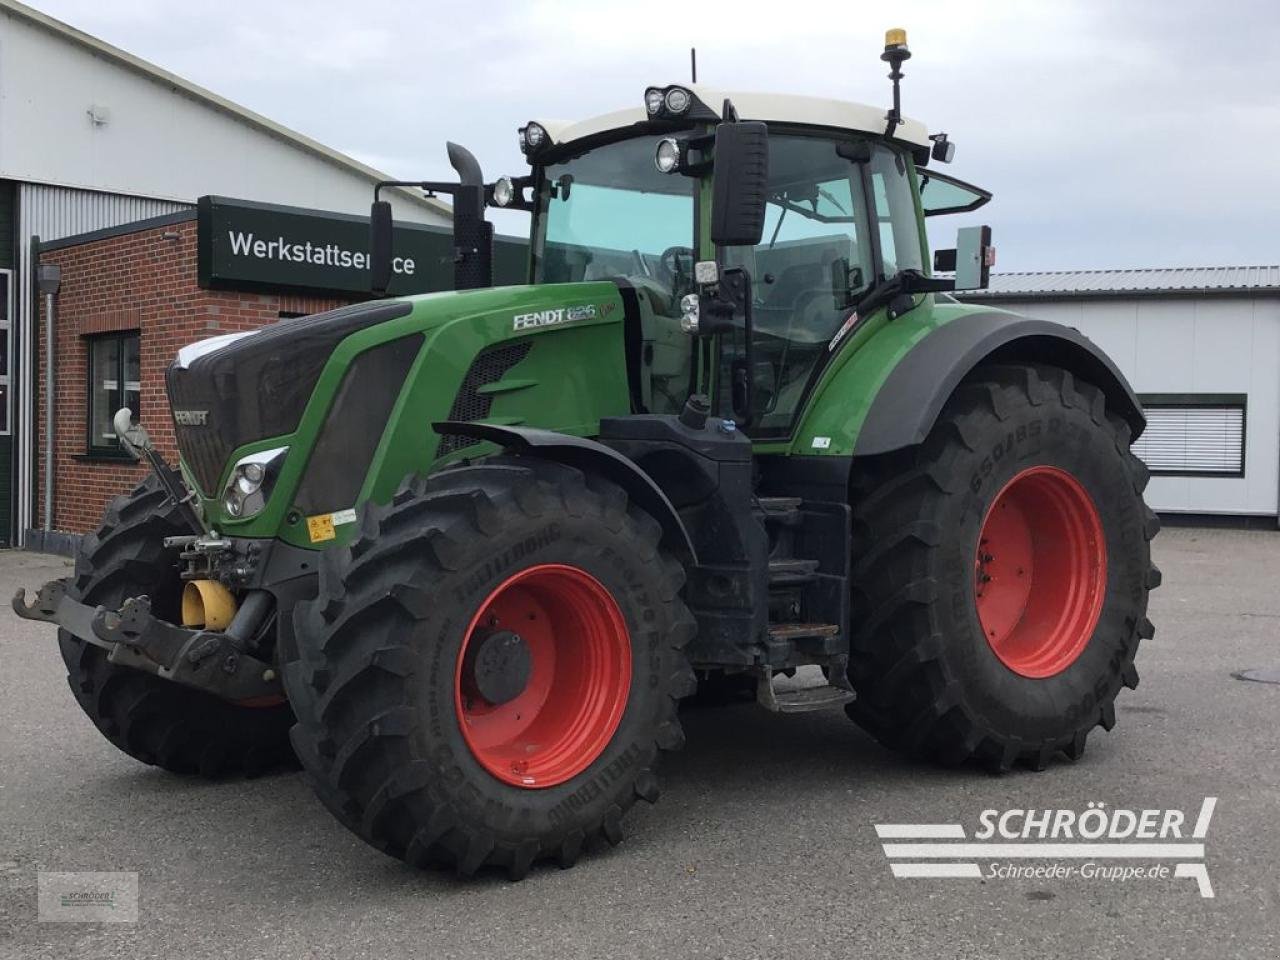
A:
x: 243, y: 245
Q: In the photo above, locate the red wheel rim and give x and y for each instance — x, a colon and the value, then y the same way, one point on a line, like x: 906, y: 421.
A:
x: 573, y: 687
x: 1040, y: 572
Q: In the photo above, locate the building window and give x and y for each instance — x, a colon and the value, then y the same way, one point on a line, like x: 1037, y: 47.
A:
x: 114, y: 381
x: 1193, y: 434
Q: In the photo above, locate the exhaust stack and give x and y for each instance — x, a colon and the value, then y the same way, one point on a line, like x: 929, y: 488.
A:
x: 472, y: 234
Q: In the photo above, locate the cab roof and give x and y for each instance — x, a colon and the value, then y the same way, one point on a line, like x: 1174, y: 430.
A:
x: 769, y: 107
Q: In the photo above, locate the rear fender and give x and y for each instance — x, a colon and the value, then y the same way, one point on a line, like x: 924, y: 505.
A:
x: 909, y: 401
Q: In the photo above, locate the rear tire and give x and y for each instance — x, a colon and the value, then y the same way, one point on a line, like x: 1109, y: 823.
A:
x: 153, y: 720
x: 391, y: 704
x: 942, y: 668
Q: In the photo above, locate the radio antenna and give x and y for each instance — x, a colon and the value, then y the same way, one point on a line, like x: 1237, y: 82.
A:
x: 693, y: 64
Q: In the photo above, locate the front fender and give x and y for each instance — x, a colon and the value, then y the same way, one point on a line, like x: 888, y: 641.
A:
x: 586, y: 454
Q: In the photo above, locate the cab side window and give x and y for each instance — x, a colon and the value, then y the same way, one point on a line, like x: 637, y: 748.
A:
x: 895, y: 212
x: 815, y: 253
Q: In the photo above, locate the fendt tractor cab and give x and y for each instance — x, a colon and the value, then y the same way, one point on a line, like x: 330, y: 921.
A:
x: 464, y: 553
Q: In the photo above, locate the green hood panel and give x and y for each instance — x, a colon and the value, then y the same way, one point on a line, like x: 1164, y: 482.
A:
x: 573, y: 373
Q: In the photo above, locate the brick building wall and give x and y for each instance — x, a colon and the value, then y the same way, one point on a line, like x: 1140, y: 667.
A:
x: 143, y: 281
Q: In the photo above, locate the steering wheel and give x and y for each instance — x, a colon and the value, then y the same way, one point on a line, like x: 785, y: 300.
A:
x: 674, y: 263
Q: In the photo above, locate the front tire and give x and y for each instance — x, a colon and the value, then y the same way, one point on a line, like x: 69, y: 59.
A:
x: 490, y: 670
x: 153, y: 720
x: 1002, y: 573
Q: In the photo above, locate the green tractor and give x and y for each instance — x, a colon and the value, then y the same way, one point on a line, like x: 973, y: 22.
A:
x: 464, y: 553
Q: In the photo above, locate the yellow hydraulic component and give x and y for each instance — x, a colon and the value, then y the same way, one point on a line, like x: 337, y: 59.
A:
x: 208, y: 604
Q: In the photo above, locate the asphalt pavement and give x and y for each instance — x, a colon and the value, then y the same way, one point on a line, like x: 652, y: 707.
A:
x: 763, y: 844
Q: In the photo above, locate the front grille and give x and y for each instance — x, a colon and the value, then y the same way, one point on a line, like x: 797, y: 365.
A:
x: 204, y: 448
x: 258, y: 386
x: 490, y: 366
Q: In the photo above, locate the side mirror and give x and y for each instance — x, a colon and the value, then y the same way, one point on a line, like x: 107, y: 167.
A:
x: 972, y: 258
x: 741, y: 184
x: 380, y: 242
x: 133, y: 436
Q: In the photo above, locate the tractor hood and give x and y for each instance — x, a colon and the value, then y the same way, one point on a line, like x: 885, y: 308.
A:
x: 231, y: 390
x: 275, y: 387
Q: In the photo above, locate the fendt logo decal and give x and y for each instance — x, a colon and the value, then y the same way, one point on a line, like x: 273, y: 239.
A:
x: 191, y: 418
x: 549, y: 318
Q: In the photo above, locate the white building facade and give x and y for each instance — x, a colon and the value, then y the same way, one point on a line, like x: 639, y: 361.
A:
x: 1201, y: 347
x: 92, y: 137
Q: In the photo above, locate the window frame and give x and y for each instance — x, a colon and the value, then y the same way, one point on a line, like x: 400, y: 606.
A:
x: 981, y: 197
x: 8, y: 301
x: 100, y: 450
x: 1204, y: 401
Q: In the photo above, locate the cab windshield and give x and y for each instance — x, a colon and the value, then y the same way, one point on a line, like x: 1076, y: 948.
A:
x: 610, y: 213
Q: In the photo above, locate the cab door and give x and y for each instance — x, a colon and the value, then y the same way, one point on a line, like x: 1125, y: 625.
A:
x: 834, y: 227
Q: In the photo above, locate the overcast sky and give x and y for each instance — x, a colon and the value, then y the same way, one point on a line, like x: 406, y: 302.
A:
x: 1113, y: 134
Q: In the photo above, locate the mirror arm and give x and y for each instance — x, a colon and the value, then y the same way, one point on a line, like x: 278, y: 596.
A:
x: 428, y: 186
x: 904, y: 283
x: 913, y: 281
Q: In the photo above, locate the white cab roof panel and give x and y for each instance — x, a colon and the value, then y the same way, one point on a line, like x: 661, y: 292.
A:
x: 769, y: 107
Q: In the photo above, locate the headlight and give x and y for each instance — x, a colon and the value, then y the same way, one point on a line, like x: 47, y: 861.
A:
x: 666, y: 103
x: 532, y: 136
x: 689, y: 313
x: 667, y: 157
x: 678, y: 100
x: 504, y: 191
x: 251, y: 481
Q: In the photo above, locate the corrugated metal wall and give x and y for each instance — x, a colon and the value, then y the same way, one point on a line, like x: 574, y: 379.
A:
x: 52, y: 213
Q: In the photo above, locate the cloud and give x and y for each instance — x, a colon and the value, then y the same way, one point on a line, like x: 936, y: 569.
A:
x: 1112, y: 134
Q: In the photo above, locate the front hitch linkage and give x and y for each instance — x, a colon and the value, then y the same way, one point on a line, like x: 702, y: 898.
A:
x: 207, y: 660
